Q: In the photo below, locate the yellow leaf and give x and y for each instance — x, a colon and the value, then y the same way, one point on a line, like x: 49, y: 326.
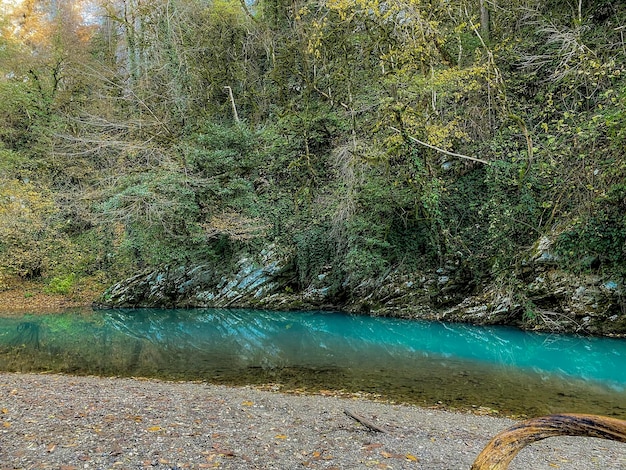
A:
x: 280, y: 436
x: 6, y: 424
x: 4, y: 410
x: 412, y: 458
x: 154, y: 428
x: 247, y: 403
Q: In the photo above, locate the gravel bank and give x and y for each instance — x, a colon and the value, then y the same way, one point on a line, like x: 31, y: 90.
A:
x: 69, y: 423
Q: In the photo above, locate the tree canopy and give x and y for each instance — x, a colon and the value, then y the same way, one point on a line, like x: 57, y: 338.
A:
x: 364, y: 135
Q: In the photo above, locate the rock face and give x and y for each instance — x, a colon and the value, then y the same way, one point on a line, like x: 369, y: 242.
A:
x: 199, y: 286
x: 546, y: 297
x: 542, y: 297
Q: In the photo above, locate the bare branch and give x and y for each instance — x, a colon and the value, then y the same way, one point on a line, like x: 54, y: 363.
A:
x: 452, y: 154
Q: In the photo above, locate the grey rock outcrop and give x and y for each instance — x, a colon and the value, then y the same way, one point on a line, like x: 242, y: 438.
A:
x: 542, y: 296
x: 200, y: 286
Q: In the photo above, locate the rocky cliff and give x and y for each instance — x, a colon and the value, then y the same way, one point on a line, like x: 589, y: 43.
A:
x: 541, y: 296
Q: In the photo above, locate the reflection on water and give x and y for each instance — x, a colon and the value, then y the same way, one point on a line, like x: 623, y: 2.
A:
x: 416, y: 362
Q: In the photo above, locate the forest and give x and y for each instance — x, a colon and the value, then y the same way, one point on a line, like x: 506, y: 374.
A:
x: 360, y: 139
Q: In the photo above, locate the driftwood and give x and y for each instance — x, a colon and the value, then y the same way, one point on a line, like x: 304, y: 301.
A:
x: 368, y: 424
x: 506, y: 445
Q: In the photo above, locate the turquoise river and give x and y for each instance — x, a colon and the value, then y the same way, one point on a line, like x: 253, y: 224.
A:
x: 425, y: 363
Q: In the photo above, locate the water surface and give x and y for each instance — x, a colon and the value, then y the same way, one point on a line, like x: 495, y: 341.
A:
x: 425, y: 363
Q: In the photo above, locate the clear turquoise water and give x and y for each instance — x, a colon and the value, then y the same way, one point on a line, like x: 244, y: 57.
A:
x: 426, y: 363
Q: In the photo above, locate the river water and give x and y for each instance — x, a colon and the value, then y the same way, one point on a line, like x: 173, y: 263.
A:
x: 424, y: 363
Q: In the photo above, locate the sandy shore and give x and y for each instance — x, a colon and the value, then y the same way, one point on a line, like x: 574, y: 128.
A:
x: 65, y: 422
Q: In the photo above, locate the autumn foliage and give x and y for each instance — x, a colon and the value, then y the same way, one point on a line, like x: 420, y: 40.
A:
x: 365, y: 135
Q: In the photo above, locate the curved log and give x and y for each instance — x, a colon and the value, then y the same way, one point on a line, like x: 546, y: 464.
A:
x: 497, y: 455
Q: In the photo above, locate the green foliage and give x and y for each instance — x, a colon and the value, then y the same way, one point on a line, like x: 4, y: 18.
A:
x: 121, y: 148
x: 179, y: 214
x: 158, y: 210
x: 61, y: 284
x: 600, y: 238
x: 25, y: 229
x: 217, y: 49
x: 513, y: 210
x: 224, y: 156
x: 397, y: 223
x: 224, y: 161
x: 314, y: 251
x: 365, y: 257
x: 616, y: 120
x: 12, y: 163
x: 18, y: 107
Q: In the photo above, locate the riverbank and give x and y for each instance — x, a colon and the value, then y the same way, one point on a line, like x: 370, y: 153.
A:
x: 26, y: 296
x: 259, y: 287
x: 548, y: 299
x: 65, y: 422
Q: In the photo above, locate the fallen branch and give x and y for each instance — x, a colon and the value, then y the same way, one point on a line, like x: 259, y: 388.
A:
x: 368, y: 424
x: 452, y: 154
x: 497, y: 455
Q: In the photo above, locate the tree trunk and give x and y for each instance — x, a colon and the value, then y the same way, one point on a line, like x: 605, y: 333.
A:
x: 484, y: 21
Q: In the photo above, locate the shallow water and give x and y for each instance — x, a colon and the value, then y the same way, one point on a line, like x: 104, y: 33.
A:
x: 426, y: 363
